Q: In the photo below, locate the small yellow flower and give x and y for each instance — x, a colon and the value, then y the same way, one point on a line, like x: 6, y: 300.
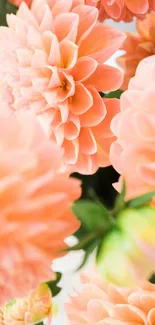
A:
x: 30, y: 310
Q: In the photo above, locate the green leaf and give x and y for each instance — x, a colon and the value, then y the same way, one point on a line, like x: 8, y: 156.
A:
x: 93, y: 216
x: 53, y: 285
x: 83, y: 244
x: 89, y: 251
x: 120, y: 200
x: 114, y: 94
x: 152, y: 279
x: 141, y: 200
x: 41, y: 323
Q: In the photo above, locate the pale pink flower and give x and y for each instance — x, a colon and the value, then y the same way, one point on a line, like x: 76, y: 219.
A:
x: 133, y: 154
x: 122, y: 9
x: 29, y: 310
x: 35, y: 201
x: 51, y: 62
x: 100, y: 303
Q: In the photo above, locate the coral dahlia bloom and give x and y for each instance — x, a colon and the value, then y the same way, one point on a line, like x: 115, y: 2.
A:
x: 122, y: 9
x: 133, y: 154
x: 100, y: 303
x: 52, y: 63
x: 35, y: 200
x: 137, y: 47
x: 30, y: 310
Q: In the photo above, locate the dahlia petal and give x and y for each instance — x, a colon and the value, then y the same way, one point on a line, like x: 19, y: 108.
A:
x: 47, y: 21
x: 111, y: 109
x: 151, y: 316
x: 87, y: 19
x: 137, y: 6
x: 24, y: 56
x: 114, y: 9
x: 72, y: 128
x: 106, y: 78
x: 96, y: 113
x: 52, y: 48
x: 87, y: 165
x: 81, y: 101
x: 69, y: 54
x: 25, y: 14
x: 71, y: 150
x: 34, y: 39
x: 59, y: 135
x: 69, y: 21
x: 60, y: 7
x: 84, y: 68
x: 107, y: 42
x: 147, y: 172
x: 39, y: 59
x: 38, y: 8
x: 87, y: 143
x: 64, y: 110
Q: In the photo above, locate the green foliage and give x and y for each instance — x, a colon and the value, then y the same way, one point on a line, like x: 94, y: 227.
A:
x: 141, y: 200
x: 53, y: 285
x: 6, y: 8
x: 113, y: 94
x: 152, y: 280
x: 120, y: 200
x: 93, y: 216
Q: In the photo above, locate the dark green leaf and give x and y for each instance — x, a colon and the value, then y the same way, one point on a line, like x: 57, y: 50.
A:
x: 120, y: 200
x: 152, y: 279
x: 53, y: 285
x: 81, y: 232
x: 41, y: 323
x: 94, y: 217
x: 141, y: 200
x: 84, y: 242
x: 114, y: 94
x: 88, y: 251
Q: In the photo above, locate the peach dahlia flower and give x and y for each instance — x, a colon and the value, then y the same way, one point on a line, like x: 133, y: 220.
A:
x: 100, y: 303
x: 137, y: 47
x: 35, y: 200
x: 51, y: 61
x: 122, y: 9
x: 133, y: 154
x: 29, y: 310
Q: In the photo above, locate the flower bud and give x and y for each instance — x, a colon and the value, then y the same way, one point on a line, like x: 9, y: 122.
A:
x: 125, y: 256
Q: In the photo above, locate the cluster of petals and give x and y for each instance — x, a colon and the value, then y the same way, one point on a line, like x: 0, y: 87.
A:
x: 51, y: 62
x: 30, y: 310
x: 101, y: 303
x: 133, y: 153
x: 137, y: 47
x: 122, y: 9
x: 33, y: 187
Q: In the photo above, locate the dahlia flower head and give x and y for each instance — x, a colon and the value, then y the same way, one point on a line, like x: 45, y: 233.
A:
x: 30, y: 310
x: 52, y: 63
x: 35, y: 201
x: 133, y: 153
x: 101, y: 303
x: 122, y: 9
x: 137, y: 47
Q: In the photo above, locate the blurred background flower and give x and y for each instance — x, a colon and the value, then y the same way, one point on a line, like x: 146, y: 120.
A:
x: 30, y: 310
x: 133, y: 154
x: 122, y: 9
x: 35, y: 201
x: 101, y: 303
x: 137, y: 47
x: 56, y: 69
